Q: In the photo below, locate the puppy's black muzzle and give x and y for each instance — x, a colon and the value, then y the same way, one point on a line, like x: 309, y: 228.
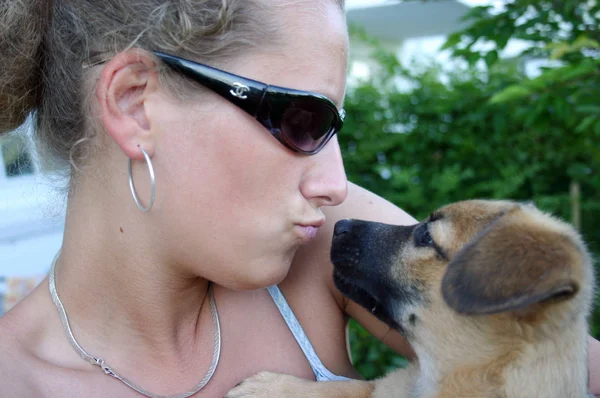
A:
x: 365, y: 255
x: 368, y: 247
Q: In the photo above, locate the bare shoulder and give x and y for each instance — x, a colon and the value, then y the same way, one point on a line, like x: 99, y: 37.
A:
x: 15, y: 378
x: 9, y: 344
x: 24, y: 332
x: 366, y: 205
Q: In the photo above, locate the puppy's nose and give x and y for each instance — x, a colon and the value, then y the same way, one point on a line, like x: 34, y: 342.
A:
x: 342, y: 227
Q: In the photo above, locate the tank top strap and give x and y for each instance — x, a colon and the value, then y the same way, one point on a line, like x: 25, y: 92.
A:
x: 321, y: 372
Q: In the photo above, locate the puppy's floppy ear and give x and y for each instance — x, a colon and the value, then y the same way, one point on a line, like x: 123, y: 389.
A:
x: 517, y: 261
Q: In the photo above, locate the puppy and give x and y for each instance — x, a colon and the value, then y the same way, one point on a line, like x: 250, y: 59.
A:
x: 493, y: 296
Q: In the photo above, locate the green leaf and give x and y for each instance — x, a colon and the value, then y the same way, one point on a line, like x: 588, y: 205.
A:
x: 575, y: 71
x: 559, y: 50
x: 589, y: 108
x: 585, y: 42
x: 597, y: 128
x: 452, y: 41
x: 585, y: 124
x: 491, y: 58
x: 472, y: 58
x: 510, y: 93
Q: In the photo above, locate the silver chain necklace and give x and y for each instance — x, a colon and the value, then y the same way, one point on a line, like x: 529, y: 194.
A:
x: 111, y: 372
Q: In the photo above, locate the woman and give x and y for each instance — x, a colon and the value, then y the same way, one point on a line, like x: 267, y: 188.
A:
x: 161, y: 278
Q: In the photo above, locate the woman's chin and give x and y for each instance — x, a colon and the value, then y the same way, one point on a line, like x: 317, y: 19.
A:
x: 260, y: 278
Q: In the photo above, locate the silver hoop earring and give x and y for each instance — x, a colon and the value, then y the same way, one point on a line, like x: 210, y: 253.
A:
x: 152, y: 183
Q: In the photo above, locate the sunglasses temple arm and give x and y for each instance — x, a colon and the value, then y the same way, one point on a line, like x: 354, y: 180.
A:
x: 245, y: 93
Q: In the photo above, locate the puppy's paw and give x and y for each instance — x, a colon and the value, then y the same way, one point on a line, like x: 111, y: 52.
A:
x: 269, y: 385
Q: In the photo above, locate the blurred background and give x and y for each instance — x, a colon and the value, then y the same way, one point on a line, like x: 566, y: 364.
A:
x: 447, y: 100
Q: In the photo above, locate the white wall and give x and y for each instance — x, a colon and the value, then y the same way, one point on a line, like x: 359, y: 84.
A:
x: 31, y: 225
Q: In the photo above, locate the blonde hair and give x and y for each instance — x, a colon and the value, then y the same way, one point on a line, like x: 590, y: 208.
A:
x: 45, y: 43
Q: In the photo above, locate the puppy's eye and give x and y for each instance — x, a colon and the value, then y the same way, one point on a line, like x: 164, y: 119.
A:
x: 422, y: 237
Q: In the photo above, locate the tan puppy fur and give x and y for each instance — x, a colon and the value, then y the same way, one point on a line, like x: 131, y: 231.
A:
x: 493, y: 296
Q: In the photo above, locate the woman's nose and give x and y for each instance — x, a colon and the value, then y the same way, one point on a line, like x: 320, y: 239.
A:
x: 325, y: 182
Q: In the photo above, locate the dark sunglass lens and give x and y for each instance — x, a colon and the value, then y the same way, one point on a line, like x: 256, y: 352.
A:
x: 305, y: 125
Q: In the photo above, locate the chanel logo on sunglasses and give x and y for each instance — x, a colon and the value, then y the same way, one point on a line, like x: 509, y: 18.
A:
x: 239, y: 90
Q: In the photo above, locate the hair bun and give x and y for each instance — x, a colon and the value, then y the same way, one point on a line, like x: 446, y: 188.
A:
x: 22, y: 26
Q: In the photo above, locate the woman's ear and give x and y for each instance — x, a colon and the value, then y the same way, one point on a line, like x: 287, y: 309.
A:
x: 125, y: 85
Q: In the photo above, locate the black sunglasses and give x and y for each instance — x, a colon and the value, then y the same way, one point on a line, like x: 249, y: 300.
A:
x: 302, y: 121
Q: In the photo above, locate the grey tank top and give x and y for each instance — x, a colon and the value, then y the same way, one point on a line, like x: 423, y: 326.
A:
x: 320, y: 371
